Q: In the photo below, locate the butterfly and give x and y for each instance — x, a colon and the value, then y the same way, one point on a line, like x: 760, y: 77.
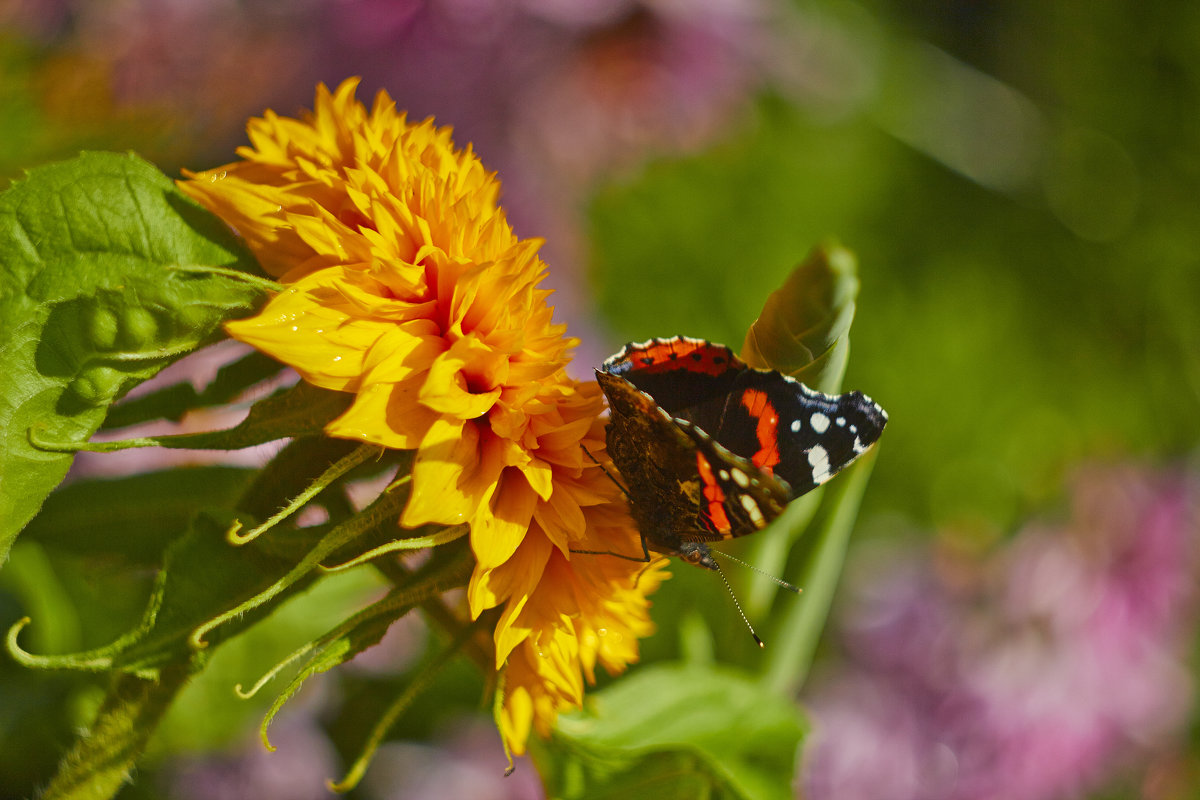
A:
x: 711, y: 449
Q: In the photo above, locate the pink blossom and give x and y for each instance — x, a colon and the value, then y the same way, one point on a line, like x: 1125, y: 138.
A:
x: 1061, y: 667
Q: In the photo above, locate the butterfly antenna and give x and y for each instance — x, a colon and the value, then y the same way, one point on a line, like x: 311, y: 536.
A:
x: 779, y: 581
x: 738, y: 605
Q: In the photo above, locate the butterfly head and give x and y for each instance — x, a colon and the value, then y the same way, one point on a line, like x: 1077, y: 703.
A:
x: 697, y: 553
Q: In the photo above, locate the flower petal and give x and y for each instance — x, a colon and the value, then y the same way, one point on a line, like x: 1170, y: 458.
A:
x: 387, y: 414
x: 464, y: 381
x: 447, y: 451
x: 514, y: 578
x: 499, y: 526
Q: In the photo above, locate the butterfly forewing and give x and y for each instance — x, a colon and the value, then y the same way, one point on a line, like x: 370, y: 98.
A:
x: 688, y: 378
x: 803, y: 436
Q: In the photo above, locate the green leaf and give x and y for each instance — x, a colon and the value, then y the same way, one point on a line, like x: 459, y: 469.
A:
x: 115, y: 516
x: 580, y: 772
x: 203, y: 576
x: 172, y: 402
x: 676, y: 731
x: 804, y: 327
x: 292, y: 412
x: 94, y: 298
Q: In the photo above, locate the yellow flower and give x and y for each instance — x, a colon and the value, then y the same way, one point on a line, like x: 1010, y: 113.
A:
x: 406, y: 286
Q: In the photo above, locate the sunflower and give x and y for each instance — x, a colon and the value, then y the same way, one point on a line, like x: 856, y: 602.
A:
x: 405, y: 285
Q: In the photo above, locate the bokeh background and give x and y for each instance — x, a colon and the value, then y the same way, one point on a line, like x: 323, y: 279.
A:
x: 1020, y: 181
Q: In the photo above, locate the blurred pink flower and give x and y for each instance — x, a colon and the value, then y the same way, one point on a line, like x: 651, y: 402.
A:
x: 462, y: 762
x: 1060, y: 667
x: 556, y: 95
x: 299, y: 769
x: 37, y: 19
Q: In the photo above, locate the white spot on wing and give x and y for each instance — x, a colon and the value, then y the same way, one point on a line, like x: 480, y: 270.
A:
x: 740, y: 478
x: 795, y: 426
x: 819, y: 422
x: 752, y: 509
x: 818, y: 459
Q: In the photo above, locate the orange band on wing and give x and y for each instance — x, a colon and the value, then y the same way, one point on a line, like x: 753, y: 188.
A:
x: 691, y: 355
x: 766, y: 429
x: 714, y: 495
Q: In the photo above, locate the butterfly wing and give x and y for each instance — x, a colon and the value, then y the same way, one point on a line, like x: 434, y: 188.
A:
x: 736, y: 497
x: 707, y: 442
x: 799, y: 435
x: 657, y: 463
x: 705, y: 492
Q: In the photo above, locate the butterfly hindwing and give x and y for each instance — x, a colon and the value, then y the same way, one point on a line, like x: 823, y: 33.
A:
x: 737, y: 498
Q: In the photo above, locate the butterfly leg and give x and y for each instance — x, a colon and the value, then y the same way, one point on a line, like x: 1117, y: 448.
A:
x: 604, y: 469
x: 645, y: 550
x: 641, y: 559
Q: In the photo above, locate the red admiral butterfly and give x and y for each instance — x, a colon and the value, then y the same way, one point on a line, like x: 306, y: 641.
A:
x: 710, y: 448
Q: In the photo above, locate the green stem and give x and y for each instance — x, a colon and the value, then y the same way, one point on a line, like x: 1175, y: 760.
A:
x: 436, y: 539
x: 339, y: 468
x: 263, y: 284
x: 103, y: 758
x: 384, y: 510
x: 436, y: 610
x: 420, y: 682
x: 795, y: 641
x: 363, y: 630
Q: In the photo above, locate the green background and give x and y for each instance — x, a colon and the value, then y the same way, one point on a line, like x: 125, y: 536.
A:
x: 1020, y: 182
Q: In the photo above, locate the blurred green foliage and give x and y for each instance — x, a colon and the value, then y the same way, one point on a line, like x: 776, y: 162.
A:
x: 55, y: 103
x: 1011, y: 332
x: 1012, y: 327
